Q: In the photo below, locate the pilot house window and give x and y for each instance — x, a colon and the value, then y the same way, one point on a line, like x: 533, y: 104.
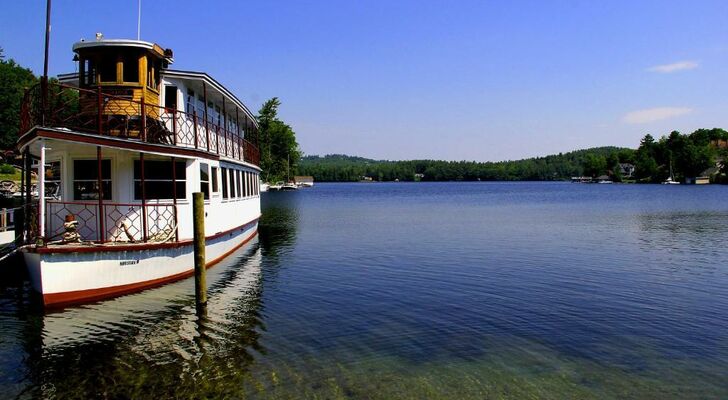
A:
x: 158, y: 182
x: 131, y: 69
x: 170, y: 98
x: 107, y: 70
x: 85, y: 179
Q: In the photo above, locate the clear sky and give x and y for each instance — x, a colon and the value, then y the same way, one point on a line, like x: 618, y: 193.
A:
x: 473, y: 80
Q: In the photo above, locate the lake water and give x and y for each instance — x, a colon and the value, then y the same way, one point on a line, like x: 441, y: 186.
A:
x: 403, y: 290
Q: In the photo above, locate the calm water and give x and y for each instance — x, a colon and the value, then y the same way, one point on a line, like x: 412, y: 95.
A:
x: 382, y: 291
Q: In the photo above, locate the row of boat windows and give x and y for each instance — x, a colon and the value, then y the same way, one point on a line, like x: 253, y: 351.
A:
x: 161, y: 181
x: 196, y: 104
x: 236, y: 183
x: 121, y: 69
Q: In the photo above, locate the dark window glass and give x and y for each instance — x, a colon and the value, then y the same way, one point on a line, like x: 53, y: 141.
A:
x: 223, y: 173
x: 159, y: 169
x: 213, y: 176
x: 205, y: 179
x: 232, y: 183
x: 85, y: 179
x: 240, y: 192
x: 131, y: 69
x: 158, y: 183
x: 107, y: 70
x: 90, y: 71
x: 170, y: 97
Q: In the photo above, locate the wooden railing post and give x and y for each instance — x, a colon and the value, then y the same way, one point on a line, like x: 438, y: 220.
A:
x: 237, y: 138
x: 99, y: 106
x: 224, y: 126
x: 207, y: 128
x: 144, y: 121
x: 174, y: 125
x: 194, y: 126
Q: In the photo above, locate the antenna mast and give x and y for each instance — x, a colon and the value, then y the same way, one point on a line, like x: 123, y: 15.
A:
x: 139, y: 20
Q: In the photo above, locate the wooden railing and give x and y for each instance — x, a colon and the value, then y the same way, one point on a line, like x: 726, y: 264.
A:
x: 99, y: 113
x: 117, y: 222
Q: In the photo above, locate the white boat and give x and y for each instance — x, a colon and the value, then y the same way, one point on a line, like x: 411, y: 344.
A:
x: 127, y: 141
x: 289, y: 186
x: 670, y: 179
x: 276, y: 186
x: 264, y: 187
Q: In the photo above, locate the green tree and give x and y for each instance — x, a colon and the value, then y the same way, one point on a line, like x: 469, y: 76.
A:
x: 14, y: 79
x: 279, y: 151
x: 595, y: 165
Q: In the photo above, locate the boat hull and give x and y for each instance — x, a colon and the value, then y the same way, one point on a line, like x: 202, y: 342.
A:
x: 64, y: 278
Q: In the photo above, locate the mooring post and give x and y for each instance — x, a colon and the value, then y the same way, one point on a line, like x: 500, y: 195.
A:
x: 198, y: 217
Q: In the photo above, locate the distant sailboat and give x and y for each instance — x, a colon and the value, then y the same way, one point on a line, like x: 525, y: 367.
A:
x: 289, y: 185
x: 671, y: 179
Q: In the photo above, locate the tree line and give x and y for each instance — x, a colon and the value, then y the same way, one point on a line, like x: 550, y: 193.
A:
x: 703, y: 152
x: 342, y: 168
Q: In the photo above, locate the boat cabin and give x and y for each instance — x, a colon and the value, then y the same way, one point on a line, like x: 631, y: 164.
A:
x: 125, y: 142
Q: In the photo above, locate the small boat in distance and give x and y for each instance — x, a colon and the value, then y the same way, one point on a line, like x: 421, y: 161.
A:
x: 264, y: 187
x: 670, y: 179
x: 303, y: 181
x: 289, y: 186
x: 276, y: 186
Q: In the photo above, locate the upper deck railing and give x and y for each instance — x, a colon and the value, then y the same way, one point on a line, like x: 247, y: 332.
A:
x: 119, y: 115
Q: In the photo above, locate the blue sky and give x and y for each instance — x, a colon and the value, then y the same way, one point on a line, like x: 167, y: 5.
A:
x: 473, y: 80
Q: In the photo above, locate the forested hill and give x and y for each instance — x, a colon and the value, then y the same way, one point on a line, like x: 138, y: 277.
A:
x: 342, y: 168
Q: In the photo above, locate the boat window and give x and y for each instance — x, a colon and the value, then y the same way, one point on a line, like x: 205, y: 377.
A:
x: 53, y: 179
x: 213, y: 177
x: 250, y: 184
x: 158, y: 182
x: 89, y: 72
x: 130, y: 66
x: 85, y: 179
x: 223, y: 173
x: 190, y: 101
x: 205, y: 180
x: 170, y: 98
x: 232, y: 184
x: 237, y: 174
x: 153, y: 68
x: 246, y: 187
x: 107, y: 70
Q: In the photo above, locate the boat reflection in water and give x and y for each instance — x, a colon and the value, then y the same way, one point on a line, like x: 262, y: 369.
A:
x: 152, y: 338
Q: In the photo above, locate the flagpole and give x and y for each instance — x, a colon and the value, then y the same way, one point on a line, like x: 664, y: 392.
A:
x: 139, y: 20
x: 44, y: 79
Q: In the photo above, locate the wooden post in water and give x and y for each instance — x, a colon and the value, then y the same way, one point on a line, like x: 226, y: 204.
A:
x: 198, y: 218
